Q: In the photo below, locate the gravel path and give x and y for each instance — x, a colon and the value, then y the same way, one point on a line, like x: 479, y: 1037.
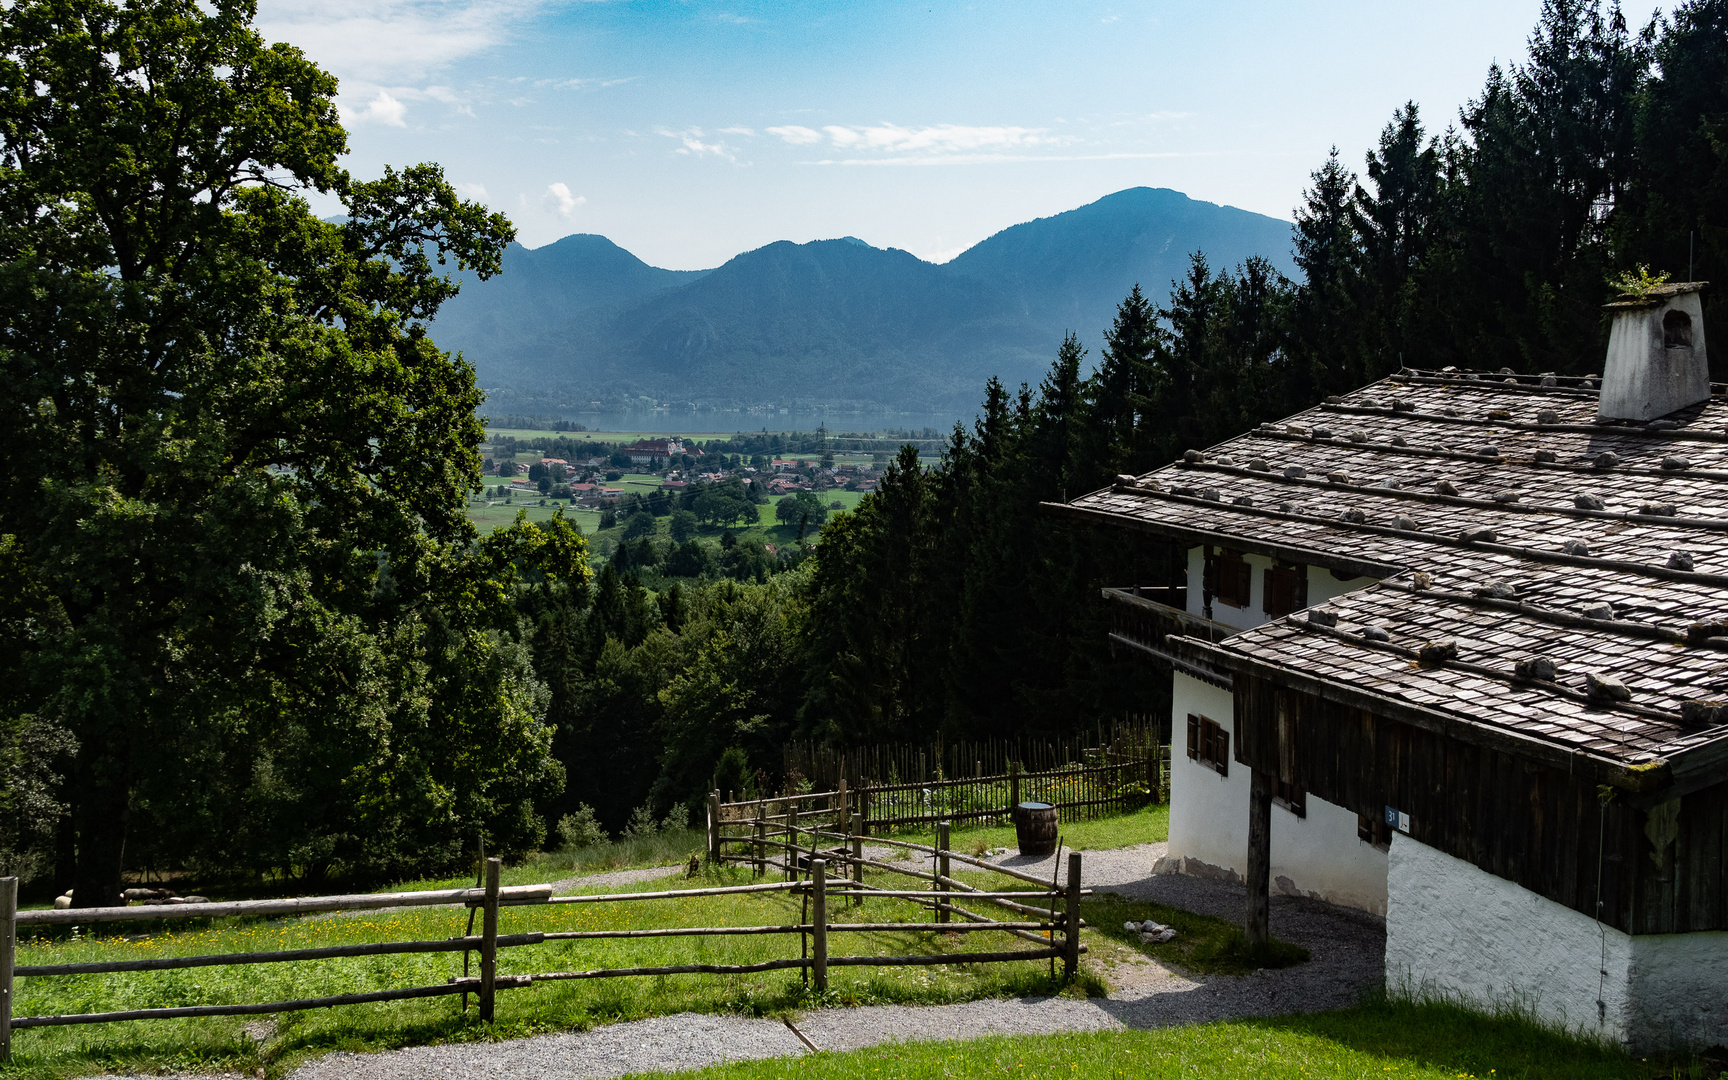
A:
x: 1348, y: 950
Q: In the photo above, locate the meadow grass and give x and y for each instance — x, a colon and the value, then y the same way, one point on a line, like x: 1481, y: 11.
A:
x: 1378, y: 1040
x: 221, y: 1042
x: 668, y: 848
x: 1148, y: 825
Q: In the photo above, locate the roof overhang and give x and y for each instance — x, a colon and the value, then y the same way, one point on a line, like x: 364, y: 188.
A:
x: 1660, y: 780
x: 1193, y: 537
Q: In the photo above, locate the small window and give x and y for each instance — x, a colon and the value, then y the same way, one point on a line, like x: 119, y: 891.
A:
x: 1285, y: 590
x: 1232, y: 579
x: 1293, y: 799
x: 1209, y: 744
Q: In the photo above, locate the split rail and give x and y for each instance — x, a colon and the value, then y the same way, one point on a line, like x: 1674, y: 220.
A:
x: 1081, y: 791
x: 1049, y: 917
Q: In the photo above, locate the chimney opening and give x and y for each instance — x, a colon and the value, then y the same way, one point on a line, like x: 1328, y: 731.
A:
x: 1677, y: 330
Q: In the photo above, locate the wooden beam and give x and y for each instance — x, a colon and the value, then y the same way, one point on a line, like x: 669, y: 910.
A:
x: 1256, y: 923
x: 1193, y: 537
x: 1508, y: 740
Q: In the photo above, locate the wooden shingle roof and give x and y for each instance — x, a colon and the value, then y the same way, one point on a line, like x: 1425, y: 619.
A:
x: 1516, y: 536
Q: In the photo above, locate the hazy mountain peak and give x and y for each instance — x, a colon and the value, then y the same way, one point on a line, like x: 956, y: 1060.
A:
x: 836, y: 322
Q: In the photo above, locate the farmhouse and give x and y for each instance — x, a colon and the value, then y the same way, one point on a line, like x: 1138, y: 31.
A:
x: 649, y: 451
x: 1454, y: 649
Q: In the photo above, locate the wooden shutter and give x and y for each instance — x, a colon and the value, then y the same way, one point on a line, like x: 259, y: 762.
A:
x: 1193, y: 737
x: 1235, y: 580
x: 1278, y: 598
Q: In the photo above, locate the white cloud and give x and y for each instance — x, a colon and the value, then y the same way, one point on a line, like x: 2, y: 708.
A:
x: 938, y: 139
x: 385, y: 108
x: 474, y: 192
x: 1001, y: 159
x: 381, y: 41
x: 797, y: 135
x: 559, y: 198
x: 693, y: 144
x: 738, y: 131
x: 587, y: 84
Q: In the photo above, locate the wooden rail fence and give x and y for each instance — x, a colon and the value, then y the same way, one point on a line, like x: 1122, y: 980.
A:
x: 1054, y: 926
x: 1079, y: 792
x: 1132, y: 738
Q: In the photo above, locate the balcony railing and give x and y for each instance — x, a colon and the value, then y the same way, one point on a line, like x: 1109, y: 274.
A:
x: 1144, y: 618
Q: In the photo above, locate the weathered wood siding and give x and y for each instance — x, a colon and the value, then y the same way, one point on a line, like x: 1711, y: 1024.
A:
x: 1656, y: 871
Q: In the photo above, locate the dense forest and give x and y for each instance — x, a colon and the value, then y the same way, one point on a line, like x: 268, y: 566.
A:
x: 375, y: 697
x: 948, y: 603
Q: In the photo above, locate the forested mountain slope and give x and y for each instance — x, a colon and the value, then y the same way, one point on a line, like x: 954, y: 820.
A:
x: 835, y: 321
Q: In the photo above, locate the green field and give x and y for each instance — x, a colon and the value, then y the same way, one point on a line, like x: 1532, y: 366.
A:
x: 489, y: 514
x: 213, y: 1043
x: 1380, y: 1041
x: 1377, y: 1039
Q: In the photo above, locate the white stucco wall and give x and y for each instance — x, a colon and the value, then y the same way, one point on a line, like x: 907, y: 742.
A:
x: 1679, y: 990
x: 1322, y: 586
x: 1453, y: 929
x: 1317, y: 856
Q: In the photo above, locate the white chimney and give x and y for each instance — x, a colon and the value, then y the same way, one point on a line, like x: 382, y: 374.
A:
x: 1656, y: 361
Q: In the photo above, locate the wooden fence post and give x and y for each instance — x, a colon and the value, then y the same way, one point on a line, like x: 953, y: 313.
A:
x: 714, y: 826
x: 858, y: 859
x: 1071, y: 920
x: 845, y: 807
x: 819, y: 923
x: 761, y: 842
x: 791, y: 841
x: 1013, y: 793
x: 489, y: 941
x: 942, y: 869
x: 8, y: 952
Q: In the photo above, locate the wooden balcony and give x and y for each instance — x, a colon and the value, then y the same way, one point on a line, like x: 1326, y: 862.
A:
x: 1143, y: 618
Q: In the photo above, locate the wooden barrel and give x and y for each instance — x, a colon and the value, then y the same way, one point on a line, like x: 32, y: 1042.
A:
x: 1035, y: 828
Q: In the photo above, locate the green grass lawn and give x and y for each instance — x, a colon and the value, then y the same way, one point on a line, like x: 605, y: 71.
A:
x: 486, y: 518
x: 1149, y: 825
x: 661, y: 849
x: 1371, y: 1042
x: 214, y: 1043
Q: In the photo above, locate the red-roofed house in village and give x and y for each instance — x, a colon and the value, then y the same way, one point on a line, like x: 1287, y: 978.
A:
x: 1453, y: 649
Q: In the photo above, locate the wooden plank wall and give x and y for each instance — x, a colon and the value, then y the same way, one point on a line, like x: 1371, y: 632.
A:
x: 1528, y: 823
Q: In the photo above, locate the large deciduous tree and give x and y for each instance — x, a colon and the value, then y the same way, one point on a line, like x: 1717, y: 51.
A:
x: 232, y: 466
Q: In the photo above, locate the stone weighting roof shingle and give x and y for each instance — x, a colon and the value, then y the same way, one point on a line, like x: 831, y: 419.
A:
x: 1557, y: 578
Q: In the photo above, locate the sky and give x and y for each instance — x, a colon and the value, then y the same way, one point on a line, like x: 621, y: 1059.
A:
x: 689, y: 131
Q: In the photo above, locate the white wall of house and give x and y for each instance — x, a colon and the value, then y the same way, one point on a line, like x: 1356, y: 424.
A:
x: 1318, y: 856
x: 1322, y: 586
x: 1455, y: 929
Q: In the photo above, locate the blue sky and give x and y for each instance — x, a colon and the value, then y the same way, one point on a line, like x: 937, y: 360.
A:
x: 691, y: 131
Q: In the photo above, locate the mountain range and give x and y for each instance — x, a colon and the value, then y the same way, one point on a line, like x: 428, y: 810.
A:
x: 835, y: 323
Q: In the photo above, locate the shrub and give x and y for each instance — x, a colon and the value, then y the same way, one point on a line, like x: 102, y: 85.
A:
x: 641, y: 825
x: 580, y: 830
